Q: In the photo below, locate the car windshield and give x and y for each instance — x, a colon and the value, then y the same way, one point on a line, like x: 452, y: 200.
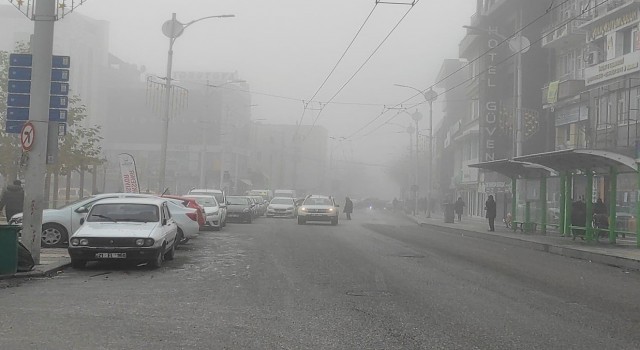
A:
x: 317, y: 201
x: 238, y: 200
x: 131, y: 212
x: 282, y: 201
x: 206, y: 201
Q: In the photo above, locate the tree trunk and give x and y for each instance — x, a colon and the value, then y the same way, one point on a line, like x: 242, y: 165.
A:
x: 94, y: 179
x: 81, y: 189
x: 67, y: 194
x: 47, y: 190
x: 56, y: 185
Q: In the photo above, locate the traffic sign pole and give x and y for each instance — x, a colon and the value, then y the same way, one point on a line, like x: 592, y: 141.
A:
x: 35, y: 169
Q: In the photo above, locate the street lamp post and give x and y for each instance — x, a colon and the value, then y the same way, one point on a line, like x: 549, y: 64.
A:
x: 429, y: 96
x: 172, y: 29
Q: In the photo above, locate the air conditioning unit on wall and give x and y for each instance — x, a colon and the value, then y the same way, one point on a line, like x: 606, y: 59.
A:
x: 593, y: 58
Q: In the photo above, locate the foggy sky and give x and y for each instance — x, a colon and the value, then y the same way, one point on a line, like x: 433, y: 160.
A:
x: 287, y: 47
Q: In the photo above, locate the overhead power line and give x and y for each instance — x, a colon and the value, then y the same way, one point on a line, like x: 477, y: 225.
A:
x: 547, y: 11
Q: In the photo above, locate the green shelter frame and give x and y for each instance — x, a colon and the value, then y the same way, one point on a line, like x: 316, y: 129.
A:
x: 569, y: 163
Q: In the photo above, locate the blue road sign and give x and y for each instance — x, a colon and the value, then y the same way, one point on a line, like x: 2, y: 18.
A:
x: 20, y: 60
x: 14, y: 126
x: 61, y: 62
x: 60, y: 75
x: 19, y: 86
x: 57, y: 115
x: 17, y: 113
x: 59, y: 88
x: 20, y: 73
x: 18, y: 100
x: 58, y: 102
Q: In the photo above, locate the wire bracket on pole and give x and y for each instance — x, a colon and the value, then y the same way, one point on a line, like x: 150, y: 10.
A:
x: 410, y: 3
x: 63, y: 7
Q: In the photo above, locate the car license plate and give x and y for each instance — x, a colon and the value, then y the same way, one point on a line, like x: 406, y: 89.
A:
x: 111, y: 255
x: 233, y: 215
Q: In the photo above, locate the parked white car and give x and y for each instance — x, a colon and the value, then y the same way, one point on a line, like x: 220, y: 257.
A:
x: 59, y: 224
x: 282, y: 206
x: 212, y: 211
x: 221, y: 198
x: 186, y: 218
x: 132, y: 229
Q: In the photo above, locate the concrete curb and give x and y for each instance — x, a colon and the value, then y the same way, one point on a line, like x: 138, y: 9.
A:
x: 551, y: 248
x: 44, y: 271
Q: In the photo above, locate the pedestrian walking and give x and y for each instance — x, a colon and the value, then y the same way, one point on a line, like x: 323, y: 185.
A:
x: 12, y: 199
x: 348, y: 207
x: 459, y: 208
x: 490, y: 208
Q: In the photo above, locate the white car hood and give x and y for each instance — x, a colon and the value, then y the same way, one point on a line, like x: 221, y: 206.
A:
x: 116, y: 229
x: 210, y: 210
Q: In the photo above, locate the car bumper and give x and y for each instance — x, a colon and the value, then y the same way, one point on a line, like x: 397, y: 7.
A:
x: 288, y: 213
x: 318, y: 217
x: 239, y: 216
x: 132, y: 253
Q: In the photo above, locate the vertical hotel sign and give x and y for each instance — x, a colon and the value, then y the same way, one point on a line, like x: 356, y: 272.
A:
x: 129, y: 173
x: 489, y: 100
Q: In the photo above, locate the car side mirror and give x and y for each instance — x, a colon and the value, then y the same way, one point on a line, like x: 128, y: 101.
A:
x: 81, y: 221
x: 82, y: 210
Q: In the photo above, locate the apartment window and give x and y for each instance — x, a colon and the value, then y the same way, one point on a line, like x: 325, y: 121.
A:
x: 609, y: 110
x: 627, y: 41
x: 634, y: 39
x: 597, y: 110
x: 475, y: 109
x: 620, y: 108
x: 567, y: 133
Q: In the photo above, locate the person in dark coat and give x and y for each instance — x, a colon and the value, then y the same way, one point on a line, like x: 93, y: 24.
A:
x: 491, y: 212
x: 12, y: 199
x: 458, y: 207
x: 348, y: 207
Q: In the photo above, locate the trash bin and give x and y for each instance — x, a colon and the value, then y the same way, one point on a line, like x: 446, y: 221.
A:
x: 449, y: 215
x: 8, y: 249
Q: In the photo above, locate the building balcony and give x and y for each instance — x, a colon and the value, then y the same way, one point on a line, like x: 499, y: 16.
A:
x: 567, y: 34
x: 566, y: 89
x: 609, y: 16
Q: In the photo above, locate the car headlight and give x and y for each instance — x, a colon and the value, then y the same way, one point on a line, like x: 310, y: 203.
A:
x: 75, y: 241
x: 245, y: 210
x: 331, y: 210
x: 303, y: 209
x: 84, y: 242
x: 269, y: 208
x: 148, y: 242
x: 140, y: 242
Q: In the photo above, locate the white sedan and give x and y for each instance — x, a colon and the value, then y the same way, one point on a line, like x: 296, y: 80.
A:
x: 282, y: 206
x: 132, y: 229
x: 186, y: 218
x: 212, y: 211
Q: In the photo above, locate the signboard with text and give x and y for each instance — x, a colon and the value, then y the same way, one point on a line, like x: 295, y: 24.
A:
x: 617, y: 67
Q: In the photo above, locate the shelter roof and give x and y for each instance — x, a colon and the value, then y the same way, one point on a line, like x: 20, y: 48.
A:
x: 513, y: 168
x: 582, y: 159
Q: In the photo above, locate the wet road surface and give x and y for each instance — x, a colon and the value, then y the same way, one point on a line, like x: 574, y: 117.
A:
x: 376, y: 282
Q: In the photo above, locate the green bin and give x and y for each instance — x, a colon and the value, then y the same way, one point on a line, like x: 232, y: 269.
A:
x: 8, y: 249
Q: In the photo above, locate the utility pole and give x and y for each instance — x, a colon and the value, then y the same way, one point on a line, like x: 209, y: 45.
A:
x: 35, y: 169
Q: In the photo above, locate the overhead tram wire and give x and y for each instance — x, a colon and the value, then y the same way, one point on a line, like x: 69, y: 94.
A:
x: 549, y: 10
x: 363, y: 64
x: 336, y: 65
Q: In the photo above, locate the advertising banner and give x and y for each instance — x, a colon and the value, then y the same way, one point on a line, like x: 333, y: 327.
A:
x: 129, y: 173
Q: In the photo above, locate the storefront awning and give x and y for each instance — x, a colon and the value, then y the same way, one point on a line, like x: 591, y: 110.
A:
x: 582, y: 159
x: 512, y: 168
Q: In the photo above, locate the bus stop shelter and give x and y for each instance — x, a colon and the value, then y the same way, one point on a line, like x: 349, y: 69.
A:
x: 588, y: 162
x: 515, y: 169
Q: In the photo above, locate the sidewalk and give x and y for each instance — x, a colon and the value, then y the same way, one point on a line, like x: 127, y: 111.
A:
x: 623, y: 254
x: 52, y: 260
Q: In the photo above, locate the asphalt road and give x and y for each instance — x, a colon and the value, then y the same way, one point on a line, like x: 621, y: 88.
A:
x: 377, y: 282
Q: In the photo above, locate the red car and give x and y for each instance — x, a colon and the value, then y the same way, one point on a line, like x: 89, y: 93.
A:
x: 191, y: 203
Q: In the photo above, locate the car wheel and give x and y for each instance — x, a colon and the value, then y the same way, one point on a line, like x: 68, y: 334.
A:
x: 217, y: 228
x: 334, y: 222
x: 157, y: 261
x: 301, y: 221
x: 171, y: 253
x: 53, y: 235
x: 180, y: 237
x: 78, y: 264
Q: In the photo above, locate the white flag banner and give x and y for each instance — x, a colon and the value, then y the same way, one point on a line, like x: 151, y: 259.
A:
x: 129, y: 173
